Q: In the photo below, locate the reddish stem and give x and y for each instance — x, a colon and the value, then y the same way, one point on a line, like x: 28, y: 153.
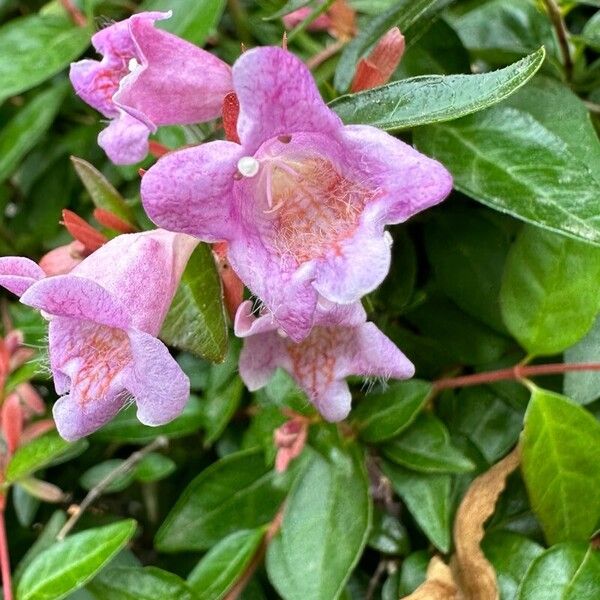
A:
x: 74, y: 13
x: 4, y: 558
x: 516, y: 372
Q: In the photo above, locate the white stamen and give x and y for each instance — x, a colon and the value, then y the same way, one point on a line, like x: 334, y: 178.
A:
x: 248, y: 166
x: 387, y: 236
x: 133, y: 64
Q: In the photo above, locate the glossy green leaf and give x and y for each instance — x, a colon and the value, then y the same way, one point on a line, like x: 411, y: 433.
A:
x: 193, y: 20
x: 325, y: 528
x: 549, y: 295
x: 511, y: 555
x: 560, y: 466
x: 154, y: 467
x: 427, y: 497
x: 237, y: 492
x: 66, y: 566
x: 224, y: 563
x: 388, y: 535
x: 383, y: 415
x: 125, y: 427
x: 536, y: 157
x: 564, y: 572
x: 402, y: 15
x: 24, y: 131
x: 426, y: 447
x: 413, y: 572
x: 102, y: 192
x: 34, y: 48
x: 219, y: 407
x: 591, y: 32
x: 137, y: 583
x: 434, y: 98
x: 196, y: 320
x: 41, y: 452
x: 584, y: 386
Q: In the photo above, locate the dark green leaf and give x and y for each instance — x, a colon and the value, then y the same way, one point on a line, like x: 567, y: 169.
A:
x: 427, y: 497
x: 154, y: 467
x: 196, y: 320
x: 426, y: 447
x: 223, y: 565
x: 237, y: 492
x: 388, y: 535
x: 565, y: 572
x: 561, y: 467
x: 39, y: 453
x: 23, y: 132
x: 591, y: 32
x: 98, y: 472
x: 66, y: 566
x: 434, y: 98
x: 325, y: 528
x: 384, y: 415
x: 413, y: 572
x: 137, y: 583
x: 34, y: 48
x: 102, y: 192
x: 219, y: 407
x: 584, y: 386
x: 549, y: 295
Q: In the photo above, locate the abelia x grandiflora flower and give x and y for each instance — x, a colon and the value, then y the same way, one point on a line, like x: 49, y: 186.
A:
x: 146, y: 78
x: 104, y: 318
x: 341, y: 343
x: 302, y: 201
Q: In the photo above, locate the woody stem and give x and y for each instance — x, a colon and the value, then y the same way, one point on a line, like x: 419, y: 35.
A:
x: 518, y: 372
x: 4, y: 557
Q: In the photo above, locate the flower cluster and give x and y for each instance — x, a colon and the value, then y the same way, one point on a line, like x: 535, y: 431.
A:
x: 297, y: 202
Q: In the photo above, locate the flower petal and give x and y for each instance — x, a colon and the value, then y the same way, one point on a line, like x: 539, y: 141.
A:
x: 260, y: 357
x: 177, y: 82
x: 190, y: 190
x: 161, y: 389
x: 334, y: 402
x: 278, y: 95
x: 79, y: 298
x: 408, y: 181
x: 125, y: 140
x: 95, y: 83
x: 17, y: 274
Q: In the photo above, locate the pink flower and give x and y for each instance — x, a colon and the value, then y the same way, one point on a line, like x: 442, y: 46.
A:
x: 342, y: 343
x: 321, y: 23
x: 147, y: 77
x: 104, y: 318
x: 302, y: 201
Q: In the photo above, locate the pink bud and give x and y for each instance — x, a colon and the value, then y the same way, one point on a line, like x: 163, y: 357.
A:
x: 289, y: 440
x: 11, y: 420
x: 64, y: 259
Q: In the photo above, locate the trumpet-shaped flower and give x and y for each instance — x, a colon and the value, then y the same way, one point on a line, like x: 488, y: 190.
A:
x: 147, y: 77
x: 302, y: 201
x: 340, y: 344
x: 104, y: 318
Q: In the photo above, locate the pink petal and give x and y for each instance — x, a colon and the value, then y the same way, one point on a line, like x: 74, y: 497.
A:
x: 408, y: 181
x: 95, y: 83
x: 125, y: 140
x: 63, y: 259
x: 190, y: 190
x: 12, y: 421
x: 177, y: 82
x: 17, y: 274
x: 160, y: 387
x: 77, y: 297
x: 334, y: 402
x: 260, y: 357
x: 278, y: 95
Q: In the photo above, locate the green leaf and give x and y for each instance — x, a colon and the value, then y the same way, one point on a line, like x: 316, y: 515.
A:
x: 223, y: 565
x: 102, y: 192
x: 98, y: 472
x: 584, y: 386
x: 193, y: 20
x: 196, y: 320
x: 426, y: 447
x: 434, y: 98
x: 325, y: 528
x: 413, y: 572
x: 287, y: 8
x: 41, y: 452
x: 402, y: 15
x: 388, y: 535
x: 467, y: 248
x: 427, y: 497
x: 549, y: 295
x: 237, y: 492
x: 68, y: 565
x: 591, y: 32
x: 511, y: 555
x: 154, y: 467
x: 34, y: 48
x: 219, y: 407
x: 125, y: 427
x: 24, y: 131
x: 564, y: 572
x: 139, y: 583
x: 560, y: 466
x: 535, y: 157
x: 382, y: 416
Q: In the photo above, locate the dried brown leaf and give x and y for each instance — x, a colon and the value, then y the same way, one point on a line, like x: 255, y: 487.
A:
x: 439, y: 585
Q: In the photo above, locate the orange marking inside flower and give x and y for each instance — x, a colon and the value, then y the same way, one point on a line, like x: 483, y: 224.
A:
x: 99, y: 354
x: 315, y: 208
